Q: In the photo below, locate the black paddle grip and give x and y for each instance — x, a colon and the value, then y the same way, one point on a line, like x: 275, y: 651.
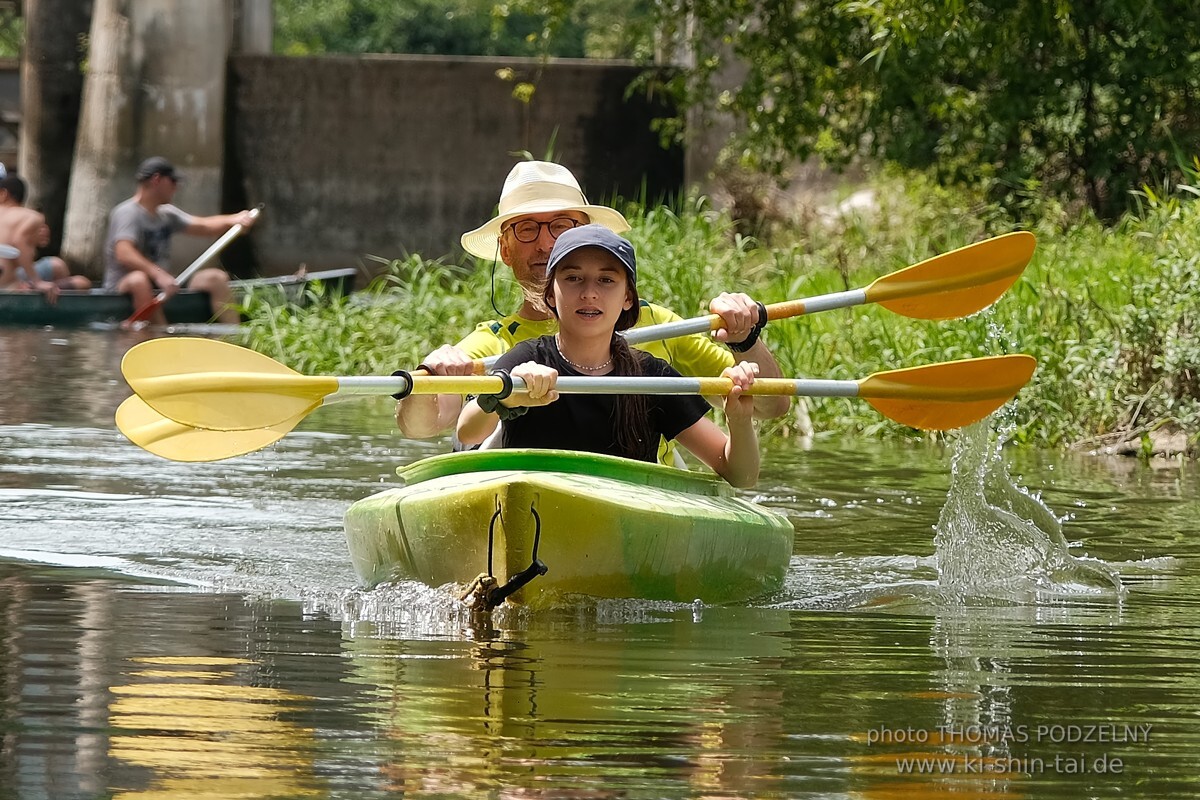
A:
x: 407, y: 390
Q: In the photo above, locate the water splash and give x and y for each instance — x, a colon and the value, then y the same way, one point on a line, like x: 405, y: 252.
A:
x: 998, y: 542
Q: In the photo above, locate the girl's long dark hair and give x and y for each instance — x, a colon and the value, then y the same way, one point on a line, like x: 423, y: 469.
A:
x: 631, y: 412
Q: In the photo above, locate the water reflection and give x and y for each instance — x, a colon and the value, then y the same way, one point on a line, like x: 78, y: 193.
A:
x: 65, y: 377
x: 574, y: 706
x: 202, y: 732
x: 112, y: 692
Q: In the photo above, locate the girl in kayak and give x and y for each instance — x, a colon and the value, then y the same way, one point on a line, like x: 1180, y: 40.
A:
x: 591, y: 287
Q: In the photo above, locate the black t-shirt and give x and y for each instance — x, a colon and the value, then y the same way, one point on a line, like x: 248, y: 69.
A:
x: 586, y: 422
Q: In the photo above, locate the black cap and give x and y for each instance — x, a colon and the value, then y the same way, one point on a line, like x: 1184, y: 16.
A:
x: 157, y: 165
x: 593, y: 235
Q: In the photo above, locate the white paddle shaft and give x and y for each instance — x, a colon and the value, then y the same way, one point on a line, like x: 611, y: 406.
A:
x: 687, y: 327
x: 604, y: 384
x: 212, y: 250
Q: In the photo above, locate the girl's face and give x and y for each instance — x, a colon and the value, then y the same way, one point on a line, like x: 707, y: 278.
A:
x: 591, y: 289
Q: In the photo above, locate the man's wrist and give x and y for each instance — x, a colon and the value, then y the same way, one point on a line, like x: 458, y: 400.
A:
x: 752, y: 338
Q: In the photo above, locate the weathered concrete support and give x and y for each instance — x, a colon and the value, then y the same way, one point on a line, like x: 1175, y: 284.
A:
x: 51, y: 90
x: 254, y: 27
x: 106, y: 121
x: 156, y: 86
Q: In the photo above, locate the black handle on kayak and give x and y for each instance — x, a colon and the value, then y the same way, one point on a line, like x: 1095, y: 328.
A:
x: 536, y: 568
x: 498, y: 595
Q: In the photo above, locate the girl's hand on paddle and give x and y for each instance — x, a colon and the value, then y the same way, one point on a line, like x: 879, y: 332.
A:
x: 540, y: 381
x: 449, y: 360
x: 738, y: 405
x: 738, y: 313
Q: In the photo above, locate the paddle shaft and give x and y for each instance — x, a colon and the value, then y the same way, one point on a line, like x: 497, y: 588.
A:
x: 569, y: 384
x: 264, y: 393
x: 955, y: 284
x: 712, y: 322
x: 889, y: 287
x: 875, y: 386
x: 330, y: 388
x: 214, y: 248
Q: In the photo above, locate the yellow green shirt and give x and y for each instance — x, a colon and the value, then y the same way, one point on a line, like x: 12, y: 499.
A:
x: 696, y: 355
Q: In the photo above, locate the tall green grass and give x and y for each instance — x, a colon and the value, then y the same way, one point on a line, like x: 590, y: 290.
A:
x: 1109, y: 313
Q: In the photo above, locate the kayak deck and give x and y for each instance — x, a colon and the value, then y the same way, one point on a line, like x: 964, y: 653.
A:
x: 602, y: 526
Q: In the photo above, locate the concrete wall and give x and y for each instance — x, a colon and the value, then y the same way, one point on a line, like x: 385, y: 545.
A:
x: 388, y: 155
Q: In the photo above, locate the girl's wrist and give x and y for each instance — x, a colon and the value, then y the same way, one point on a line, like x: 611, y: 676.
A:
x: 491, y: 404
x: 740, y: 422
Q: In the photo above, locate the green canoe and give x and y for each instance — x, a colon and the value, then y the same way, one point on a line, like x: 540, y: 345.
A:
x: 81, y: 308
x: 547, y: 523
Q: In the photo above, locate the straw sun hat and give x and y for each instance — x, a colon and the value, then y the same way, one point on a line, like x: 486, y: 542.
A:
x: 537, y: 187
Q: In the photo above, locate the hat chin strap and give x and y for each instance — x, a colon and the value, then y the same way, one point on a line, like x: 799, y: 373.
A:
x: 492, y: 292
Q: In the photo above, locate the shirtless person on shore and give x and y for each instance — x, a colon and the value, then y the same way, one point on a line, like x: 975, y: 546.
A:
x: 21, y: 228
x: 53, y: 268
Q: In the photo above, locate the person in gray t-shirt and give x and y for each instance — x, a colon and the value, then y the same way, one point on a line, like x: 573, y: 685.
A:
x: 137, y: 250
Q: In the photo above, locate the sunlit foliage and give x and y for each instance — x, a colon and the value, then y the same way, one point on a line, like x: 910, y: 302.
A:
x: 1081, y: 101
x: 529, y: 28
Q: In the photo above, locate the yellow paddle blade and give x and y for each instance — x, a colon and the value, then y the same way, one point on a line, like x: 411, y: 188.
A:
x: 958, y: 283
x: 164, y: 437
x: 224, y: 385
x: 941, y: 397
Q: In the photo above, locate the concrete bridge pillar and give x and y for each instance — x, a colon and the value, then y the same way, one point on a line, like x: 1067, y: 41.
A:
x: 51, y: 85
x: 155, y: 86
x: 255, y: 27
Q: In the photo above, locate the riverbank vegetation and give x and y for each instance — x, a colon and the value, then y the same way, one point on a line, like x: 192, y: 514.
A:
x: 1109, y: 311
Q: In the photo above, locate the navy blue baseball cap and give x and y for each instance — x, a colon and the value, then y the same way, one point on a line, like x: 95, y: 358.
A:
x: 593, y: 235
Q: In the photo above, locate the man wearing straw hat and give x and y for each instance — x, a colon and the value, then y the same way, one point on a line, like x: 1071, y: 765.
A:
x: 541, y: 200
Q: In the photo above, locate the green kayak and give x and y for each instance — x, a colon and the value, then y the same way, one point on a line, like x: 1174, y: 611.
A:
x: 533, y: 525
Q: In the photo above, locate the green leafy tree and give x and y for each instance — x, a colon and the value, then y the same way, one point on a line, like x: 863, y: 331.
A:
x: 1082, y: 100
x: 425, y: 27
x: 530, y: 28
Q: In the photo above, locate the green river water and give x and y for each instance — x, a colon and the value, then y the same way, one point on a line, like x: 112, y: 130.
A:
x: 957, y: 622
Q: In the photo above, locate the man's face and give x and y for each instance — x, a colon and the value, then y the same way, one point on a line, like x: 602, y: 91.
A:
x: 528, y: 259
x: 164, y: 187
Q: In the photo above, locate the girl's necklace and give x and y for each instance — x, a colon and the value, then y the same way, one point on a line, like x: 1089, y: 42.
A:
x: 558, y: 344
